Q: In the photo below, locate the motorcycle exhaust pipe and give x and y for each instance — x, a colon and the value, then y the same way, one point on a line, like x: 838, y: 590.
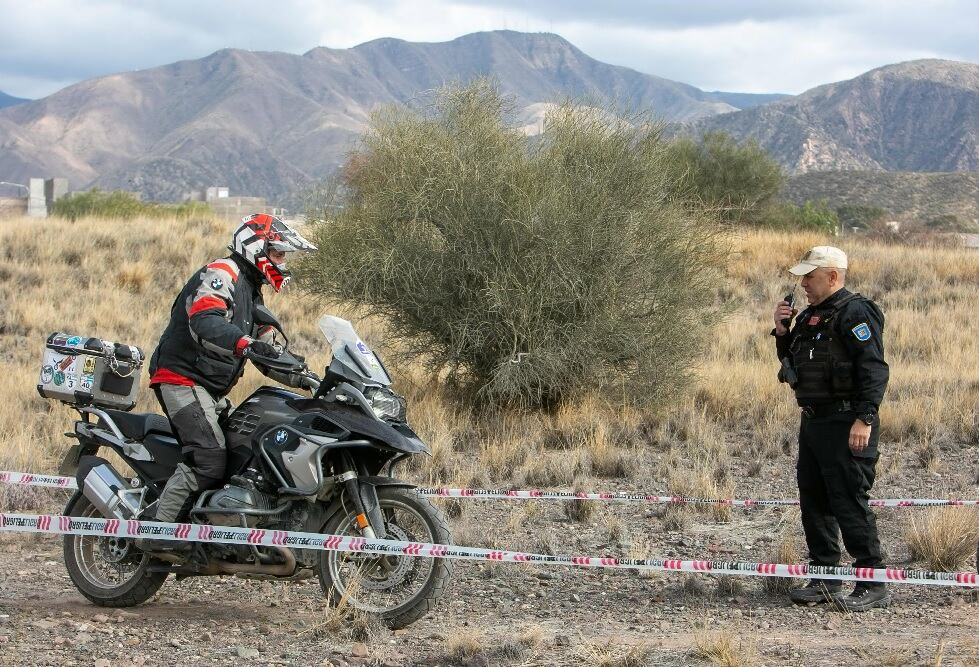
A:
x: 106, y: 490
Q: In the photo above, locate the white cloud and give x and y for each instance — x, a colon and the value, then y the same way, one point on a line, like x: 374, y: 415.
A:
x: 749, y: 46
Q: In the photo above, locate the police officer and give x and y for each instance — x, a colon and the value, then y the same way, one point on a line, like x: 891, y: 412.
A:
x: 833, y: 358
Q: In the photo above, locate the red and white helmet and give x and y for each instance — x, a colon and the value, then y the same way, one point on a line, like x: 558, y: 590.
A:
x: 260, y: 232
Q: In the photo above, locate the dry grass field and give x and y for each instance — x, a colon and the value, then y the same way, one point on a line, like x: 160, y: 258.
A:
x: 117, y: 280
x: 730, y: 434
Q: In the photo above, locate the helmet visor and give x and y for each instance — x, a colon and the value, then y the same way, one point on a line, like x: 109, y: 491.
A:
x: 284, y: 238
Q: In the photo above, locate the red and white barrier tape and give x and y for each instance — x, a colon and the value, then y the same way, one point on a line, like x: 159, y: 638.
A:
x: 533, y: 494
x: 29, y: 479
x: 64, y: 525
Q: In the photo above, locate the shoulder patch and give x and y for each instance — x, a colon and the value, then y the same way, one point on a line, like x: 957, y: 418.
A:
x: 226, y: 266
x: 861, y: 331
x: 217, y: 284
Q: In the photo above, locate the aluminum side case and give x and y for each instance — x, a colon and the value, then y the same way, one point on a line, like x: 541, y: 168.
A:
x: 81, y: 370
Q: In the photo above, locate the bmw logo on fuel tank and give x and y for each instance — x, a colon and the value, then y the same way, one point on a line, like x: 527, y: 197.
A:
x: 281, y: 436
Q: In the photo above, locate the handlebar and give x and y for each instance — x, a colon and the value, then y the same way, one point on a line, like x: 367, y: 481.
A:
x: 288, y: 364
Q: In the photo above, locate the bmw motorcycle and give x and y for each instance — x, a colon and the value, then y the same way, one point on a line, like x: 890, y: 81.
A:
x: 322, y: 464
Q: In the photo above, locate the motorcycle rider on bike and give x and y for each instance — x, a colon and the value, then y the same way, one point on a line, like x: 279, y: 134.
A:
x: 201, y: 353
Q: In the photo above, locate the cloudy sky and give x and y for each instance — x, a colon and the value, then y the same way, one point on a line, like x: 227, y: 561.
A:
x: 735, y: 45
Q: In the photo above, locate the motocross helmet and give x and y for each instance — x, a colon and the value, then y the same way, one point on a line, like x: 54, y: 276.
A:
x: 259, y: 233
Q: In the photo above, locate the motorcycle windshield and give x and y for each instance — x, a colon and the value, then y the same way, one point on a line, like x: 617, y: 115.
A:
x: 351, y: 356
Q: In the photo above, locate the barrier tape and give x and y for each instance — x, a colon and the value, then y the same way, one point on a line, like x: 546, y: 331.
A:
x: 28, y: 479
x: 99, y: 527
x: 533, y: 494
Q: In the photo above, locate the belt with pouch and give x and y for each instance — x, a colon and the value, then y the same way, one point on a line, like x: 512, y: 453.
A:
x: 825, y: 409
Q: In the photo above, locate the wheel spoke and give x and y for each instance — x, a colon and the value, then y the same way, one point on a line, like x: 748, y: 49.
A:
x: 106, y: 562
x: 362, y: 577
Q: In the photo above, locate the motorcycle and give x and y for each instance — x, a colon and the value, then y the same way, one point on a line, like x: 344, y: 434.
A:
x: 314, y: 464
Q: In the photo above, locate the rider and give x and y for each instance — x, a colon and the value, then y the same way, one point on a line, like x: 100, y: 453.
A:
x: 201, y: 354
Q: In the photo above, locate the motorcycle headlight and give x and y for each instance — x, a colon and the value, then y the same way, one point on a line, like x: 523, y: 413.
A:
x: 388, y: 405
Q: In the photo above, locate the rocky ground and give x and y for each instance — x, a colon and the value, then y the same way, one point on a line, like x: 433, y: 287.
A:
x: 501, y: 614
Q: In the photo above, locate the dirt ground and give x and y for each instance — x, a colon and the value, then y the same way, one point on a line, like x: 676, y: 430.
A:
x: 500, y: 614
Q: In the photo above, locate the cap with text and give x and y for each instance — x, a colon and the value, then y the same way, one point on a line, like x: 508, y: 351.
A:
x: 820, y: 257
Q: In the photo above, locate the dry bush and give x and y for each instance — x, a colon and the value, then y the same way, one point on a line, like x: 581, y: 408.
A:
x: 694, y: 586
x: 699, y: 478
x: 527, y: 641
x: 617, y: 528
x: 134, y: 276
x: 616, y: 655
x: 730, y: 586
x: 725, y: 650
x: 463, y: 645
x: 944, y: 537
x: 581, y: 511
x: 552, y: 469
x: 344, y: 620
x: 527, y: 513
x: 908, y: 657
x: 786, y: 548
x: 28, y: 499
x: 675, y: 517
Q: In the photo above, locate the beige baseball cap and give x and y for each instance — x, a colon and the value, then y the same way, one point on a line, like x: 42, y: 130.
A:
x: 822, y: 256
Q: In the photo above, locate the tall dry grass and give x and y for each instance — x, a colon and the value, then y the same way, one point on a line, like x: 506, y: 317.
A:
x: 117, y: 279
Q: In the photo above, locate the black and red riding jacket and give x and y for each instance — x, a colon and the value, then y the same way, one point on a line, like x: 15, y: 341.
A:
x: 211, y: 322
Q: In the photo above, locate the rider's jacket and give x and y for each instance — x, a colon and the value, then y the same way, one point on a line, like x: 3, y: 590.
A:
x: 211, y: 321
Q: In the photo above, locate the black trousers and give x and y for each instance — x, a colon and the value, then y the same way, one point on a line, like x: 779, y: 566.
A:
x: 834, y: 490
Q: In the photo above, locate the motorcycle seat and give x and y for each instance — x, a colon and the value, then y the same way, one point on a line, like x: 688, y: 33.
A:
x: 137, y: 425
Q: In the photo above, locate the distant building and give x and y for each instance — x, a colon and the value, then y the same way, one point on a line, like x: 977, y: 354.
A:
x: 224, y: 205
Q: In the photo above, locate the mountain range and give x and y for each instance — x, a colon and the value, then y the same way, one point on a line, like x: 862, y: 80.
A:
x: 9, y: 100
x: 921, y: 115
x: 267, y: 123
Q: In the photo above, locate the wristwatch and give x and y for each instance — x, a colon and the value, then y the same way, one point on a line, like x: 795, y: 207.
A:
x: 869, y: 419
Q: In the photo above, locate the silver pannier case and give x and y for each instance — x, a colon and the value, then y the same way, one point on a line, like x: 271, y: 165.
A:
x: 89, y: 371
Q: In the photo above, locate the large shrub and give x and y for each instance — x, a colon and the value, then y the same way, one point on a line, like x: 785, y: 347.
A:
x: 861, y: 217
x: 527, y: 271
x: 736, y: 180
x: 814, y: 216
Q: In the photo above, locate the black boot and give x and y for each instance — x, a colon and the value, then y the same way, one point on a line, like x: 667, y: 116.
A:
x: 816, y: 591
x: 866, y: 596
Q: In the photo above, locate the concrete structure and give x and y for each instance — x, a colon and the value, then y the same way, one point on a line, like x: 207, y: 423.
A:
x: 237, y: 207
x: 54, y: 189
x: 215, y: 193
x: 224, y: 205
x: 36, y: 205
x: 41, y: 196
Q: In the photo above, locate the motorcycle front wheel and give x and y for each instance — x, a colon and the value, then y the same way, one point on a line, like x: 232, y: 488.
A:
x: 400, y: 589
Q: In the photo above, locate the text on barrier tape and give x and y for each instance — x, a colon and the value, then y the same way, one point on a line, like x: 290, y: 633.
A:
x: 29, y: 479
x: 65, y: 525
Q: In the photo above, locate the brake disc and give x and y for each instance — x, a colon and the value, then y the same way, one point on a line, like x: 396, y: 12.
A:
x: 379, y: 573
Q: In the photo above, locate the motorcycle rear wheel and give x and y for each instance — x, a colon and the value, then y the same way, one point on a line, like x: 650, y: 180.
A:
x: 399, y: 589
x: 110, y: 571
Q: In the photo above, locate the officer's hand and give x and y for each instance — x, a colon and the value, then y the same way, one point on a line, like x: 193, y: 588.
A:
x: 783, y: 311
x: 859, y: 436
x: 263, y: 349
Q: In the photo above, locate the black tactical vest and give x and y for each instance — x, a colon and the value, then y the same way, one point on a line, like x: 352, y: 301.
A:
x: 819, y: 356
